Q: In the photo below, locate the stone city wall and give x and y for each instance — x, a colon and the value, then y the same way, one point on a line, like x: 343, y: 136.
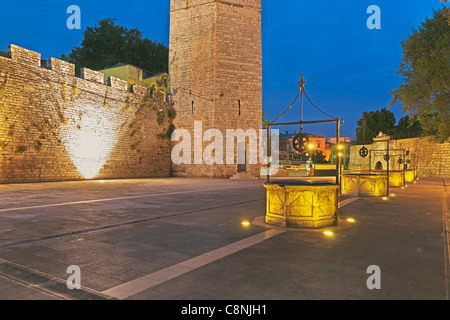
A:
x: 430, y: 159
x: 55, y: 126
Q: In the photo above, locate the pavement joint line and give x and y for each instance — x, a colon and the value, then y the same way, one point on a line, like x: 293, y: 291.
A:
x: 109, y: 199
x: 33, y: 286
x: 38, y: 287
x: 151, y: 280
x: 118, y: 225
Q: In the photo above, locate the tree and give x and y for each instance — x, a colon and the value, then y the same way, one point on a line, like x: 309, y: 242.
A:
x: 317, y: 156
x: 408, y: 127
x: 425, y: 67
x: 265, y: 122
x: 375, y: 121
x: 107, y: 44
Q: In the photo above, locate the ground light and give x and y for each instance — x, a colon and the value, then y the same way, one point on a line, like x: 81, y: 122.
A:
x: 385, y: 198
x: 328, y: 233
x: 351, y: 220
x: 245, y: 223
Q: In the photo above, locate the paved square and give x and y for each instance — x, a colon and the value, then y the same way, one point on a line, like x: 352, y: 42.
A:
x: 183, y: 238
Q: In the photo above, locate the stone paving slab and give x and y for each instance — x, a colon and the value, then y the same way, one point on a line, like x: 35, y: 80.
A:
x: 119, y: 231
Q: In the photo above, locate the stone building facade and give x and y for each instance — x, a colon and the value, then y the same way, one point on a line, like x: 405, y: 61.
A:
x: 215, y: 70
x: 55, y: 126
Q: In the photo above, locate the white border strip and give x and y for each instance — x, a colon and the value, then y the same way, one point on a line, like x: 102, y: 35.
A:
x: 151, y: 280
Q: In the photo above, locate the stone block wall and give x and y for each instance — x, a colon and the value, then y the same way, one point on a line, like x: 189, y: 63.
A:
x: 55, y: 126
x: 430, y: 159
x: 215, y: 67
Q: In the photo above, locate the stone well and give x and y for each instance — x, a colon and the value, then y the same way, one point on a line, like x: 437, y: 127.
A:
x: 396, y: 178
x: 410, y: 175
x: 301, y: 204
x: 364, y: 185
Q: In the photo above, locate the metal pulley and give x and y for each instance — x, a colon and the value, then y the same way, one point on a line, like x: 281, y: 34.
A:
x: 299, y: 141
x: 363, y: 152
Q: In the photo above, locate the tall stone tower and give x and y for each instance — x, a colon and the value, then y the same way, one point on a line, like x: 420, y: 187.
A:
x: 215, y: 70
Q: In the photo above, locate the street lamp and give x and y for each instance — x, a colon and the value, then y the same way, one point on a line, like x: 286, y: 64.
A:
x: 340, y: 147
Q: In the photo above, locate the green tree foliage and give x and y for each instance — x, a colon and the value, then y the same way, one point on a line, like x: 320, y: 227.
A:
x: 384, y: 120
x: 408, y: 127
x: 425, y: 67
x: 265, y: 122
x: 107, y: 44
x: 318, y: 156
x: 375, y: 121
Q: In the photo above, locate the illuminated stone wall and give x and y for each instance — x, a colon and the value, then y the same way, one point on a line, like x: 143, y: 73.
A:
x: 55, y: 126
x: 430, y: 159
x: 215, y: 69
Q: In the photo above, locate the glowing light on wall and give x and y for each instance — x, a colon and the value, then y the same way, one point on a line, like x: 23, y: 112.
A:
x: 89, y: 137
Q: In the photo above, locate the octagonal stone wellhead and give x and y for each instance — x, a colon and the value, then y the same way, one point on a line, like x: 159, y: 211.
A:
x: 302, y: 204
x: 364, y: 185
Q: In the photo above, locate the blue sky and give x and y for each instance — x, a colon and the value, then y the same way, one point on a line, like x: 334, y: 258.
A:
x: 349, y: 68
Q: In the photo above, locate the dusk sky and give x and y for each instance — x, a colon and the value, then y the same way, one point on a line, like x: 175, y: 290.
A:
x: 348, y: 67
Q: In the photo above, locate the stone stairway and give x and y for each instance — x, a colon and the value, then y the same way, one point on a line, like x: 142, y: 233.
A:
x: 243, y: 176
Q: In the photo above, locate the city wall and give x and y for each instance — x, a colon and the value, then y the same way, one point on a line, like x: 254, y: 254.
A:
x: 430, y: 159
x: 55, y: 126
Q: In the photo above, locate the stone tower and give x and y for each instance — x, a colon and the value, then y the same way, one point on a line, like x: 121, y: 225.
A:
x: 215, y: 70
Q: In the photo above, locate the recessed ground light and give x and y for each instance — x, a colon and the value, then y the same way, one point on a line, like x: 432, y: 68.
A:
x: 245, y: 223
